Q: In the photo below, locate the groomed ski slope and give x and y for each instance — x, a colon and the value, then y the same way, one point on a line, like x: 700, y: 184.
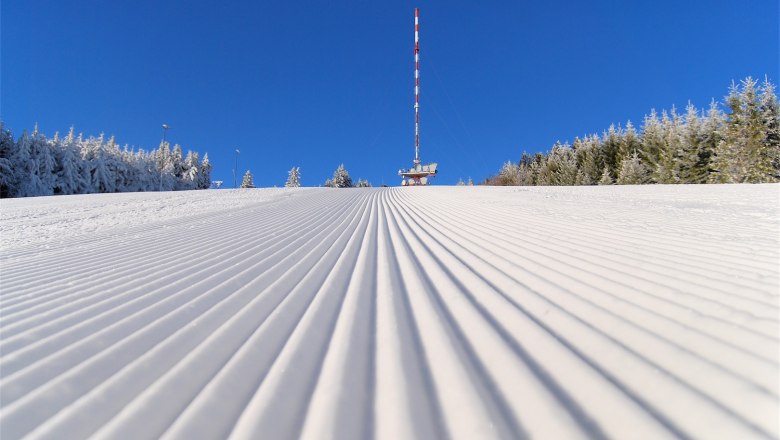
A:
x: 393, y: 313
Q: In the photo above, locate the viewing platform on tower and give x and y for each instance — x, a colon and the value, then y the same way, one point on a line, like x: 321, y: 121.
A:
x: 418, y: 174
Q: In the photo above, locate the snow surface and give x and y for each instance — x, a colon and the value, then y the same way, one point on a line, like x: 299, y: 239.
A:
x: 465, y: 312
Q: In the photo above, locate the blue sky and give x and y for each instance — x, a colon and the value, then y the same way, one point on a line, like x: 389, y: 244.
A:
x: 319, y: 83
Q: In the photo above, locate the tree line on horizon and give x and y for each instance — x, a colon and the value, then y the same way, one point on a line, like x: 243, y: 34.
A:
x: 36, y: 166
x: 741, y: 145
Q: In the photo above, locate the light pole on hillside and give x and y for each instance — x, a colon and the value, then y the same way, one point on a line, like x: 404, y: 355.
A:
x: 235, y: 169
x: 165, y: 128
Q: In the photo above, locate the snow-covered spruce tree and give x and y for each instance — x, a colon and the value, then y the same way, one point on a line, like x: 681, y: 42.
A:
x: 524, y: 174
x: 588, y: 155
x: 132, y: 171
x: 629, y: 141
x: 166, y: 167
x: 666, y: 167
x: 69, y: 177
x: 177, y: 165
x: 204, y: 181
x: 340, y: 179
x: 117, y: 167
x: 43, y: 156
x: 548, y: 165
x: 191, y: 171
x: 535, y: 167
x: 25, y: 180
x: 560, y: 168
x: 247, y: 182
x: 744, y: 156
x: 6, y: 166
x: 566, y: 174
x: 100, y: 166
x: 724, y: 162
x: 711, y: 136
x: 293, y: 178
x: 509, y: 175
x: 758, y: 153
x: 611, y: 141
x: 460, y: 182
x: 606, y: 178
x: 632, y: 171
x: 690, y: 167
x: 362, y: 183
x: 770, y: 114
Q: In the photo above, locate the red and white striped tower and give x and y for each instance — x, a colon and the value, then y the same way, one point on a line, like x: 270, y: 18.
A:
x: 416, y: 86
x: 418, y: 174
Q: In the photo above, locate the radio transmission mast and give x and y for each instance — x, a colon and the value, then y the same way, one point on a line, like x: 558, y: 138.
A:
x: 416, y: 86
x: 418, y: 174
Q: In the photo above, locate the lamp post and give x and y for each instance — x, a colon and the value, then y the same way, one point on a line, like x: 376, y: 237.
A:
x: 165, y: 128
x: 235, y: 169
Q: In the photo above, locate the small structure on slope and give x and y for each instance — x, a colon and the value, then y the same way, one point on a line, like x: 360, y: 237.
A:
x: 418, y: 174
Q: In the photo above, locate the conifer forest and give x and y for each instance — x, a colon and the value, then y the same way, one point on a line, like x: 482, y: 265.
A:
x: 740, y: 145
x: 36, y: 166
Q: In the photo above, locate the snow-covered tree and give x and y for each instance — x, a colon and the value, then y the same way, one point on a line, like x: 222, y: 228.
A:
x: 666, y: 168
x: 247, y: 182
x: 652, y: 140
x: 588, y: 167
x: 629, y: 141
x: 340, y: 179
x: 190, y: 171
x: 711, y: 136
x: 117, y: 167
x: 362, y: 183
x: 770, y: 115
x: 560, y: 167
x: 606, y: 178
x: 632, y: 171
x: 101, y: 168
x: 69, y: 178
x: 293, y: 178
x: 43, y: 163
x: 746, y: 152
x: 6, y: 165
x: 690, y: 168
x: 205, y: 173
x: 26, y: 179
x: 177, y: 162
x: 509, y: 175
x: 611, y: 144
x: 525, y: 175
x: 756, y: 152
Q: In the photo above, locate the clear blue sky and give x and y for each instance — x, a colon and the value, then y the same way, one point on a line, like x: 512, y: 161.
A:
x: 318, y: 83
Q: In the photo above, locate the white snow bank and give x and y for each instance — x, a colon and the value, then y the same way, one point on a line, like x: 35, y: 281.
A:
x: 468, y: 312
